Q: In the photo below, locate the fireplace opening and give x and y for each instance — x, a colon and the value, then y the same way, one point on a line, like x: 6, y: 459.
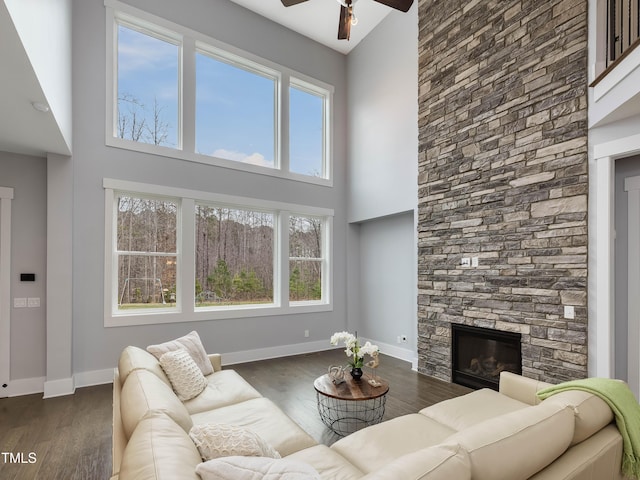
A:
x: 480, y: 354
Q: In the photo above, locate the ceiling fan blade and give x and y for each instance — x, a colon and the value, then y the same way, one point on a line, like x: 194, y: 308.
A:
x: 402, y: 5
x: 289, y: 3
x: 344, y: 27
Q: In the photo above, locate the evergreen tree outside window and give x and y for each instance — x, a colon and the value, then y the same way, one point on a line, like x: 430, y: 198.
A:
x: 305, y: 259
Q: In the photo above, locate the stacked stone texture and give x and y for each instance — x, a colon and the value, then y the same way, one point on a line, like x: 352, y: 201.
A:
x: 503, y: 177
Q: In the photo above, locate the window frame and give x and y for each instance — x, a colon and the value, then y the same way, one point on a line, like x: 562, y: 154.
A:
x: 191, y: 42
x: 185, y: 309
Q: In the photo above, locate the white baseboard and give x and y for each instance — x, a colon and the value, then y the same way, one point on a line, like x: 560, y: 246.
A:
x: 59, y: 388
x: 67, y: 386
x: 274, y: 352
x: 25, y: 386
x: 94, y: 377
x: 397, y: 352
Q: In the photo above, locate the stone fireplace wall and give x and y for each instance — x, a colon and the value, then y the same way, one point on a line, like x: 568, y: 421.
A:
x: 503, y: 177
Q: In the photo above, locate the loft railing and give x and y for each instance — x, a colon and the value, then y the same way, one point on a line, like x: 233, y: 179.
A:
x: 623, y: 27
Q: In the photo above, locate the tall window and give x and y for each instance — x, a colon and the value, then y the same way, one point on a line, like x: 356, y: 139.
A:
x: 306, y: 131
x: 180, y: 94
x: 305, y: 258
x: 146, y: 253
x: 148, y: 77
x: 234, y: 256
x: 177, y: 255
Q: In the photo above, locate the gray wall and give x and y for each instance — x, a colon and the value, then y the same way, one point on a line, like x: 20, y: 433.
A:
x: 382, y: 74
x: 28, y: 177
x: 96, y: 347
x: 387, y: 282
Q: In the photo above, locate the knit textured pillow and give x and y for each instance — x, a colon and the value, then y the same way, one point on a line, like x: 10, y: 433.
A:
x: 192, y: 344
x: 183, y: 373
x: 219, y: 440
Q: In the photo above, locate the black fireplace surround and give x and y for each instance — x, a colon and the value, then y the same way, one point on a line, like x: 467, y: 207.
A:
x: 480, y: 354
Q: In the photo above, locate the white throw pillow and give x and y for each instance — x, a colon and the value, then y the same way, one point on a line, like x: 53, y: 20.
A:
x: 192, y: 344
x: 219, y: 440
x: 183, y: 373
x: 255, y: 468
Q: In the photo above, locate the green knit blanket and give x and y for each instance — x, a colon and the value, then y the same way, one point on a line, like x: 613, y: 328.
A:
x: 625, y: 408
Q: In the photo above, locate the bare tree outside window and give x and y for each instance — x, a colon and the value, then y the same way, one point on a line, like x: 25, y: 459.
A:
x: 146, y: 249
x: 305, y: 258
x: 234, y: 256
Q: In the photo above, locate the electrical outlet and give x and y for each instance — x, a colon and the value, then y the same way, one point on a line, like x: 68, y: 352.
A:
x: 306, y: 334
x: 465, y: 262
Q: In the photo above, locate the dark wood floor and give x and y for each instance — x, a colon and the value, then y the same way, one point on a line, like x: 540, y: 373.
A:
x: 70, y: 437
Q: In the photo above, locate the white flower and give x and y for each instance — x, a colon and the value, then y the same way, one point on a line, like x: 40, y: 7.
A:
x: 353, y: 348
x: 368, y: 349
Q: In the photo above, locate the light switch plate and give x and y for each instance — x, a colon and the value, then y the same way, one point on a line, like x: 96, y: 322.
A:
x: 33, y: 302
x: 19, y: 302
x: 569, y: 312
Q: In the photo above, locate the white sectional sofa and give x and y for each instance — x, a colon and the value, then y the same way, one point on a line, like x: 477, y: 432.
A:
x: 485, y: 435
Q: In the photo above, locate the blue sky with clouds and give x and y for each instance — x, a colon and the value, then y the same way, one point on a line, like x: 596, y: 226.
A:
x: 235, y: 109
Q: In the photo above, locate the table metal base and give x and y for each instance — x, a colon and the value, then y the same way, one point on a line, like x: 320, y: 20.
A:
x: 346, y: 416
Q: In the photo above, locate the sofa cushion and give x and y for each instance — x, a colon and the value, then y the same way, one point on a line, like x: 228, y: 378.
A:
x: 223, y: 388
x: 375, y: 446
x: 255, y: 468
x: 592, y: 413
x: 516, y: 445
x: 445, y: 461
x: 159, y: 449
x: 475, y: 407
x: 192, y: 344
x: 186, y: 378
x: 264, y: 418
x: 220, y: 440
x: 599, y: 457
x: 134, y: 358
x: 327, y: 462
x: 143, y: 392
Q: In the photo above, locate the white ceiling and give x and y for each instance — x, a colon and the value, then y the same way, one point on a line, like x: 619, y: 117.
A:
x: 318, y: 19
x: 23, y: 129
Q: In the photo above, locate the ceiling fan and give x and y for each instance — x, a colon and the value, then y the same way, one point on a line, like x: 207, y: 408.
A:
x: 347, y: 17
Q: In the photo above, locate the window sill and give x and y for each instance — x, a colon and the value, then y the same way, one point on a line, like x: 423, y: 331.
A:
x: 179, y: 154
x: 216, y: 313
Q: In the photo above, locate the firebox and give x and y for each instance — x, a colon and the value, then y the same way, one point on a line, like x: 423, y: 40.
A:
x: 480, y: 354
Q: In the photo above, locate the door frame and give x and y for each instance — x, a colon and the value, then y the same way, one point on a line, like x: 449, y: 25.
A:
x: 632, y: 187
x: 6, y: 196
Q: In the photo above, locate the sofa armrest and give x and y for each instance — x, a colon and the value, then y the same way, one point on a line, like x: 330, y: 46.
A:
x: 521, y: 388
x: 216, y: 361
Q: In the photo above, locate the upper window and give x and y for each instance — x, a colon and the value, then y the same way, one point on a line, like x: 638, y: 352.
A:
x: 212, y: 103
x: 148, y: 74
x: 307, y: 131
x: 235, y: 112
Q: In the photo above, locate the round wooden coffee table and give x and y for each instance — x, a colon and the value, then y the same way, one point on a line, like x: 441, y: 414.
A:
x: 350, y: 405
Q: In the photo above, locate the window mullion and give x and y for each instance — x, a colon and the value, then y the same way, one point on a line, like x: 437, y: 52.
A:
x: 282, y: 124
x: 282, y: 258
x: 187, y: 256
x: 188, y: 92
